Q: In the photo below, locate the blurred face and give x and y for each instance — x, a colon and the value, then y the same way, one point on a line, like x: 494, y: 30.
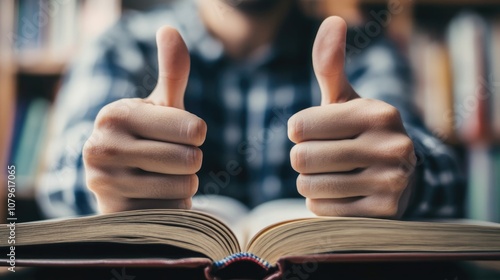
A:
x: 255, y: 7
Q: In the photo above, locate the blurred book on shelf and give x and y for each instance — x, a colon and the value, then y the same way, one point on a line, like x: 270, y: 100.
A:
x: 434, y: 91
x: 467, y: 42
x: 494, y: 78
x: 26, y: 154
x: 483, y: 194
x: 47, y: 32
x: 495, y: 199
x: 456, y: 61
x: 40, y: 38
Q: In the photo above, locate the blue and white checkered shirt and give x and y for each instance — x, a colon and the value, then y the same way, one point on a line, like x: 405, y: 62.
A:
x: 245, y: 104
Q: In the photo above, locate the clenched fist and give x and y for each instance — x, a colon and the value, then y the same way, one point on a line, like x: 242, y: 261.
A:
x: 143, y: 153
x: 349, y: 151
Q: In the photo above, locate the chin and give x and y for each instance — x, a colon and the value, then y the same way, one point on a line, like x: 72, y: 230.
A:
x: 253, y: 6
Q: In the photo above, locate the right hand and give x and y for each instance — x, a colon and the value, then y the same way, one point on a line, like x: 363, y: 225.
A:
x: 143, y: 153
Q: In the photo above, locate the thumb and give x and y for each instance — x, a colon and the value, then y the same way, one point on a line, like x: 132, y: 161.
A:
x: 329, y: 61
x: 173, y: 69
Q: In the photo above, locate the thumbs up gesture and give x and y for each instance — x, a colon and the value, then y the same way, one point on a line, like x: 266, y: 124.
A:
x: 349, y: 151
x: 143, y: 153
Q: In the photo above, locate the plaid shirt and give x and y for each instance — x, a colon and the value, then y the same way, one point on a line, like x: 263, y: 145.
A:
x: 245, y: 104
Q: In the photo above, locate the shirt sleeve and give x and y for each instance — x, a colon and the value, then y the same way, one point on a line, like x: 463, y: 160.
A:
x: 100, y: 75
x: 382, y: 73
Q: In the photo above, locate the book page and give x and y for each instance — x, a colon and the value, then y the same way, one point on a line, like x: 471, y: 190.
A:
x: 230, y: 211
x: 323, y: 235
x: 245, y: 223
x: 274, y: 212
x: 181, y: 233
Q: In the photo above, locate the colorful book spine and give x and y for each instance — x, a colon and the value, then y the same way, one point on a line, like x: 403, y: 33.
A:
x: 480, y: 183
x: 495, y: 193
x: 467, y: 43
x: 31, y: 142
x: 55, y: 26
x: 494, y: 51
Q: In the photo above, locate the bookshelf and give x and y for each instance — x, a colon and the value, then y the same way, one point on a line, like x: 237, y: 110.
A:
x: 38, y: 40
x: 31, y: 65
x: 7, y: 97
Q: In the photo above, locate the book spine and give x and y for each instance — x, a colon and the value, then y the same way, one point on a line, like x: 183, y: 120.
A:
x: 55, y: 27
x: 495, y: 196
x: 19, y: 120
x: 30, y: 143
x: 238, y: 257
x: 467, y: 40
x: 494, y: 47
x: 481, y: 200
x: 434, y: 97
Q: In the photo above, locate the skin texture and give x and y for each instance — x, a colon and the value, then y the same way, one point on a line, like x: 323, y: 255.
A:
x: 353, y: 155
x: 143, y: 153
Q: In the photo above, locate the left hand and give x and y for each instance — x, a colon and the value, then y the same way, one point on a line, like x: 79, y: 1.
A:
x: 353, y: 154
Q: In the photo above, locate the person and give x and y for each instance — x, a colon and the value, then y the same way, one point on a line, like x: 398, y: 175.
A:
x: 247, y: 99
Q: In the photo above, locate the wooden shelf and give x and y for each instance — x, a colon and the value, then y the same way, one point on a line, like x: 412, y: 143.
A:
x: 439, y: 2
x: 42, y: 63
x: 7, y: 96
x: 41, y: 67
x: 7, y: 102
x: 458, y: 2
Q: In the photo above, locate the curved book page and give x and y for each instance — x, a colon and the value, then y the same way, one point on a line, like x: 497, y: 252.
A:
x: 189, y: 230
x: 329, y: 235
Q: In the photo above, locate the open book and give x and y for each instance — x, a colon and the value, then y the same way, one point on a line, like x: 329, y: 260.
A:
x: 239, y: 239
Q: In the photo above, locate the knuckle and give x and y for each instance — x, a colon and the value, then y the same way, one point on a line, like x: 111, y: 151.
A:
x: 398, y: 149
x: 194, y: 158
x: 304, y: 185
x: 312, y: 205
x: 296, y: 129
x: 110, y: 115
x: 386, y: 115
x: 396, y: 181
x: 90, y: 151
x: 405, y: 147
x: 388, y: 209
x: 104, y: 117
x: 98, y: 181
x: 298, y: 157
x: 191, y: 186
x: 93, y: 151
x: 196, y: 131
